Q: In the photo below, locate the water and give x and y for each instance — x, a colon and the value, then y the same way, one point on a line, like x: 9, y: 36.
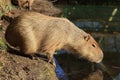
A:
x: 89, y: 25
x: 117, y: 77
x: 95, y: 26
x: 60, y: 72
x: 79, y: 69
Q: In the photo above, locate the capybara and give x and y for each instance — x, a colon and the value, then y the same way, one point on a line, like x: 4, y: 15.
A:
x: 23, y: 3
x: 33, y: 32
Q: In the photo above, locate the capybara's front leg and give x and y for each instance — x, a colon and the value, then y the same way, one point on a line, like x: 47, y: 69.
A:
x: 51, y: 59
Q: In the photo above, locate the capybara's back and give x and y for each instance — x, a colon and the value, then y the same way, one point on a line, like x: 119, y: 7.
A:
x: 34, y: 32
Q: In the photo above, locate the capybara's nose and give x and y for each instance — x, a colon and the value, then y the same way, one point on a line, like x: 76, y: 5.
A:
x: 100, y: 57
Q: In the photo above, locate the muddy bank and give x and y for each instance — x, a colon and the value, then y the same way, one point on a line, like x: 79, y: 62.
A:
x: 16, y: 67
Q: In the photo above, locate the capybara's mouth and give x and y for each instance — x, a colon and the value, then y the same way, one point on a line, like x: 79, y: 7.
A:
x: 98, y: 60
x: 95, y: 60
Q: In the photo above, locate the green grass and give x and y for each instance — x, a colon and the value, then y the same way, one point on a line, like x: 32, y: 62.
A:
x: 2, y: 44
x: 94, y: 13
x: 5, y: 8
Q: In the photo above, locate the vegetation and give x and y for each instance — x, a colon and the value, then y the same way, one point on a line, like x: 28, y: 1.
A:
x: 5, y: 7
x: 90, y: 2
x: 94, y: 18
x: 90, y: 12
x: 2, y: 44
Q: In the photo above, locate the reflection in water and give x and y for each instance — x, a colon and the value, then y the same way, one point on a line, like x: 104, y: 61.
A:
x: 118, y: 77
x: 105, y: 72
x: 101, y: 66
x: 96, y: 75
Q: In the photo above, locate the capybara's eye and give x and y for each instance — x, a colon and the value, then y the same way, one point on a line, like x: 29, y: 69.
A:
x: 93, y: 45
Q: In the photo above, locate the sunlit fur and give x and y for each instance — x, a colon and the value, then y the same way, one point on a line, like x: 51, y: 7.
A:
x: 33, y: 32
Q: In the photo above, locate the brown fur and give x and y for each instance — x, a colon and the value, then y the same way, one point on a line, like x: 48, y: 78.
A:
x: 24, y: 3
x: 34, y: 32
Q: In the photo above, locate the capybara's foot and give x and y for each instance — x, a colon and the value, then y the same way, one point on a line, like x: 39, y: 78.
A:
x: 33, y: 57
x: 51, y: 60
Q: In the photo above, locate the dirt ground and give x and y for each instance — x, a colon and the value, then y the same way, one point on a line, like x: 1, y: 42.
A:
x: 16, y: 67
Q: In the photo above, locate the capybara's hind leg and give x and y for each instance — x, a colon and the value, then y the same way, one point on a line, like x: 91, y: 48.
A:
x: 28, y: 51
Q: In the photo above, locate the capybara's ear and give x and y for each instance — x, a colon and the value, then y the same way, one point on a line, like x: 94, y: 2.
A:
x: 87, y: 37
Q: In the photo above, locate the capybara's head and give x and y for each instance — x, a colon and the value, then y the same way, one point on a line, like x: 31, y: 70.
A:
x: 90, y: 49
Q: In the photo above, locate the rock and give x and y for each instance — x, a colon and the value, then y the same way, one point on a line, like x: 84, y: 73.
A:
x: 17, y: 67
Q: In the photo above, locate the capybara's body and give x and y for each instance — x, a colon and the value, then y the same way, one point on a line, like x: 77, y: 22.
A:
x: 34, y: 32
x: 23, y: 3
